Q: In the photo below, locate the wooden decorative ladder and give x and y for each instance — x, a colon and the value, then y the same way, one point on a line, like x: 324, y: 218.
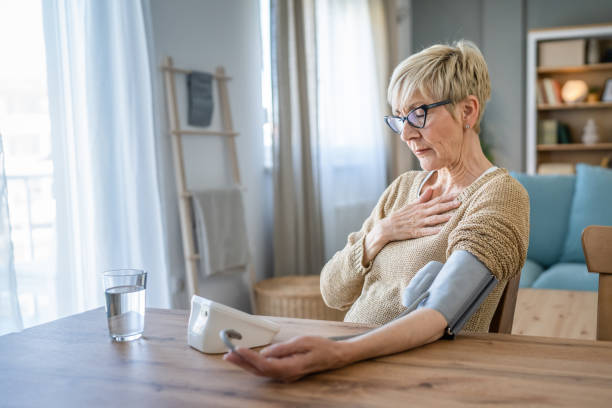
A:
x: 184, y: 195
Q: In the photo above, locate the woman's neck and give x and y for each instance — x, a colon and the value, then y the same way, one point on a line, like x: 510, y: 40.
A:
x: 470, y: 164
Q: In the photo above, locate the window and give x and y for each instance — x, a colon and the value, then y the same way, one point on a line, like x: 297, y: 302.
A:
x: 348, y: 144
x: 25, y: 129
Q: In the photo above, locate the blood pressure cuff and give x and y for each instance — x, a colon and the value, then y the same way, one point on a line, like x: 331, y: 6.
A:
x: 456, y: 289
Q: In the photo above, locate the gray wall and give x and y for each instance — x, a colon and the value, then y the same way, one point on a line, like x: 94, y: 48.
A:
x: 202, y: 34
x: 555, y: 13
x: 499, y: 28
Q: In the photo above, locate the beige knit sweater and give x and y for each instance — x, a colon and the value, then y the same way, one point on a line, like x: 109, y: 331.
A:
x: 492, y: 223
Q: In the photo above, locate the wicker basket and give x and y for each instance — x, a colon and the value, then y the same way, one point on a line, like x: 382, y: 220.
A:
x: 293, y: 296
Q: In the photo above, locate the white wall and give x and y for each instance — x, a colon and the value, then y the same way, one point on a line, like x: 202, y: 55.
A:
x: 201, y: 35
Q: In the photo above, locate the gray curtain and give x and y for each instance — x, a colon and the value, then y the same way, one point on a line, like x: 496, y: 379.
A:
x: 298, y: 232
x: 10, y: 315
x: 398, y: 16
x: 383, y: 14
x: 386, y: 15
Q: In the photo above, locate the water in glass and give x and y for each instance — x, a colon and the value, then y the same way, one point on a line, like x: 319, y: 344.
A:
x: 125, y: 310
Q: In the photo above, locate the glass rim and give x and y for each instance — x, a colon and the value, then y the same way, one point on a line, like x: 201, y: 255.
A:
x: 124, y: 272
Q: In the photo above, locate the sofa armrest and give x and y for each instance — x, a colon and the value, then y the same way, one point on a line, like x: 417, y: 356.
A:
x: 531, y: 271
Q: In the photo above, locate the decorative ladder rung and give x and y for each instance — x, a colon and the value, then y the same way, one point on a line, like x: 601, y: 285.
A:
x: 189, y: 194
x: 189, y: 71
x: 204, y: 132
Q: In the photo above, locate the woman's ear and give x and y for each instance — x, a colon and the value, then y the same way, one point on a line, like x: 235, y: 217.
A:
x: 470, y: 111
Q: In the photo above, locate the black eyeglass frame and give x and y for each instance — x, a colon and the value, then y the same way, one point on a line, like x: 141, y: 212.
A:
x: 425, y: 109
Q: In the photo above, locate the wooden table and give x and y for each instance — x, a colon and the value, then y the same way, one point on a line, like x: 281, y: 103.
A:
x: 556, y: 313
x: 73, y: 362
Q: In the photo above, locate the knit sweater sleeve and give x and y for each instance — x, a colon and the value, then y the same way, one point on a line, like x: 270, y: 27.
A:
x: 495, y: 228
x: 343, y: 275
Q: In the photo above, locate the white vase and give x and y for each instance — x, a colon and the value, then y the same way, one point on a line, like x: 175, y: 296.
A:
x: 590, y: 136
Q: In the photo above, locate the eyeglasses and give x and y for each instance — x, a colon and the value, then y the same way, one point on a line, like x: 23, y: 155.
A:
x: 415, y: 118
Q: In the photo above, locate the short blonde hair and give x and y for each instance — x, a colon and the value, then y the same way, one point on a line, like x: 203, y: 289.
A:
x: 442, y: 72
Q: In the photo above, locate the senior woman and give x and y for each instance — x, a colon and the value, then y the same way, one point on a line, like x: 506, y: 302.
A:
x: 460, y: 203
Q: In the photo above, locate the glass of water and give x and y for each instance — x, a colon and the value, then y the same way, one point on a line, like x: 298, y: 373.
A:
x: 125, y: 303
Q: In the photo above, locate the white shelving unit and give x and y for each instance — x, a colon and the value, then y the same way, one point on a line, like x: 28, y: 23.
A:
x: 575, y: 151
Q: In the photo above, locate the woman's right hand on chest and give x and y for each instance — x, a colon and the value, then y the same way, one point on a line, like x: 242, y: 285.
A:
x: 421, y: 218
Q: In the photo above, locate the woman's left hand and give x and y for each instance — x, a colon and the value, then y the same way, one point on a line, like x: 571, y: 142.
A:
x: 293, y: 359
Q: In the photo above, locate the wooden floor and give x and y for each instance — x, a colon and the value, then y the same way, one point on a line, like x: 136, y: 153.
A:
x: 556, y: 313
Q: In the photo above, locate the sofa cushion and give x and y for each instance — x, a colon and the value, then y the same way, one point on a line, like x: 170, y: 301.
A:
x: 567, y: 276
x: 550, y: 200
x: 592, y: 205
x: 531, y: 271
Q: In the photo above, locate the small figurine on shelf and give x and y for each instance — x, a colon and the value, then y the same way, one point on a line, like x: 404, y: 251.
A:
x: 590, y: 135
x: 593, y: 95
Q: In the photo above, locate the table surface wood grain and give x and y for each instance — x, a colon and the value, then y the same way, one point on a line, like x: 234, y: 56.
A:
x: 73, y: 362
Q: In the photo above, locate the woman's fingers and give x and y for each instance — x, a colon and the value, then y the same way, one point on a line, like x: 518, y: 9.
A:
x: 290, y: 360
x: 425, y: 201
x: 441, y: 199
x: 254, y: 358
x: 296, y: 345
x: 280, y: 368
x: 426, y: 231
x: 251, y: 361
x: 437, y: 219
x: 442, y: 207
x: 238, y: 360
x: 426, y: 196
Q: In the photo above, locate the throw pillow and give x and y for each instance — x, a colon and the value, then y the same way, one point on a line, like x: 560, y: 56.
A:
x: 592, y: 205
x: 550, y: 201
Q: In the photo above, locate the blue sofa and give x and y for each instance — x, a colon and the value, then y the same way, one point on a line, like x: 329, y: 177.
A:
x: 560, y: 208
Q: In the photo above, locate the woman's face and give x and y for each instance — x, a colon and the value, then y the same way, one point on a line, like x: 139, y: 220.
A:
x: 439, y: 143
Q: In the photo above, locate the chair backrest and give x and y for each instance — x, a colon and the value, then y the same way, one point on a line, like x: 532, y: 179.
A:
x: 597, y: 247
x: 504, y: 314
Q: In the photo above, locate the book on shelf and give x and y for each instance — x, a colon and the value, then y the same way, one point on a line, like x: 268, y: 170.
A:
x: 549, y: 92
x: 556, y: 168
x: 547, y: 131
x: 540, y: 93
x: 563, y: 133
x: 557, y: 90
x: 551, y: 131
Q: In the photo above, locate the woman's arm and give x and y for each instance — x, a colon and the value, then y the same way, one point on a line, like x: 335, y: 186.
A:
x: 291, y: 360
x: 420, y: 327
x: 495, y: 228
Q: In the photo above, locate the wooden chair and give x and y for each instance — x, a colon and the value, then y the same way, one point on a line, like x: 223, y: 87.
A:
x: 504, y: 314
x: 597, y: 247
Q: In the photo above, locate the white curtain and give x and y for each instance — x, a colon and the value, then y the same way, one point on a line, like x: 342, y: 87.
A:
x: 10, y: 316
x: 350, y: 118
x: 108, y: 200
